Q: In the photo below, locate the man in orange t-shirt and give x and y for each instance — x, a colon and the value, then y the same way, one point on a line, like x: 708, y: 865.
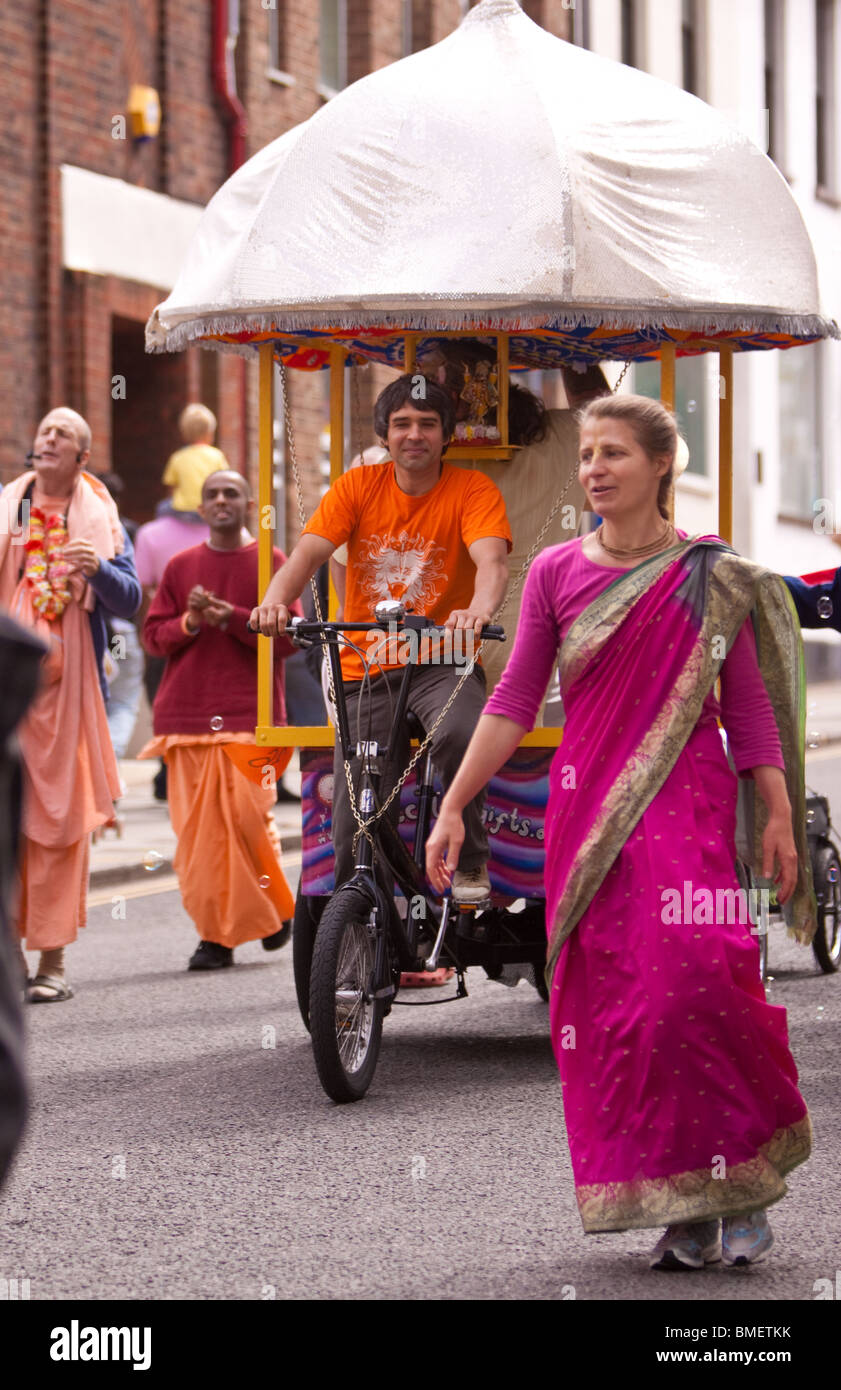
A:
x: 436, y: 537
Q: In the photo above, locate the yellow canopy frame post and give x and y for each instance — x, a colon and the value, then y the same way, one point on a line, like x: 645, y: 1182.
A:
x: 667, y: 375
x: 337, y: 441
x: 266, y: 733
x: 409, y: 346
x: 266, y: 535
x: 725, y: 444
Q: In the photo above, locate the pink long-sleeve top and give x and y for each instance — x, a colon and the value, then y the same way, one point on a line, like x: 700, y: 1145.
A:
x: 561, y: 583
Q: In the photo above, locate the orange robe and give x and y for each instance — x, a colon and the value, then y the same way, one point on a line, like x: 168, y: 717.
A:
x: 228, y: 855
x: 70, y: 773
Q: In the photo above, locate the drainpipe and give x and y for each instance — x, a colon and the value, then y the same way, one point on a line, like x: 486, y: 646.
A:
x: 225, y: 35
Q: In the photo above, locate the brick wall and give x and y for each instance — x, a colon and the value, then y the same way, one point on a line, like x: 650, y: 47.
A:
x: 21, y: 351
x: 68, y: 69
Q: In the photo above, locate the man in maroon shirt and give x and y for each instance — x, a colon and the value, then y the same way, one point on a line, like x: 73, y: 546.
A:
x: 221, y: 785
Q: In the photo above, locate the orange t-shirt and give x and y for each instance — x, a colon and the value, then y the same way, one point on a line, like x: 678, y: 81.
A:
x: 410, y: 548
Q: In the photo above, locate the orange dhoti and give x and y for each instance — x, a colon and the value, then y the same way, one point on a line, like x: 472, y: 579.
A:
x: 53, y: 892
x: 228, y: 855
x: 70, y: 780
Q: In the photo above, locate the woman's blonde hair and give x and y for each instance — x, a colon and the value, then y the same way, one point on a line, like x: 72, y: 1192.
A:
x: 653, y: 427
x: 196, y: 422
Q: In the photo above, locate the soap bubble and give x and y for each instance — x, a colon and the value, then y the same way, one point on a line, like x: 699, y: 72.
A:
x: 217, y: 723
x: 813, y: 739
x: 264, y: 881
x: 832, y: 873
x: 691, y: 406
x: 824, y: 605
x: 152, y: 860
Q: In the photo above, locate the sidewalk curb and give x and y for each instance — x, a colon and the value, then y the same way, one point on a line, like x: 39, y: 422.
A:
x: 133, y: 873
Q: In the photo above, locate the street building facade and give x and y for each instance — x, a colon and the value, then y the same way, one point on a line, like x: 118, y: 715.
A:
x: 101, y: 203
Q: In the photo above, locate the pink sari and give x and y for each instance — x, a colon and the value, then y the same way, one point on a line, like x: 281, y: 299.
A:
x: 680, y: 1093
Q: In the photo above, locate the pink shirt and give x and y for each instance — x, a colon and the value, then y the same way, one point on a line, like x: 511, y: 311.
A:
x: 157, y: 542
x: 561, y: 583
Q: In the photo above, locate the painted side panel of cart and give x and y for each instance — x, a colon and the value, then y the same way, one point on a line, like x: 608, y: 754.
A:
x: 514, y: 814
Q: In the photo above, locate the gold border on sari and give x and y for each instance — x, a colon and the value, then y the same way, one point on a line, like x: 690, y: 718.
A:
x: 697, y: 1195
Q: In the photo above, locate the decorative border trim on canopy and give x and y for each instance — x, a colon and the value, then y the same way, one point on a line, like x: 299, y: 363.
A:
x: 538, y: 340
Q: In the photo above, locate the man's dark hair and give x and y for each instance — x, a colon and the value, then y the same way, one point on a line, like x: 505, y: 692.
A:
x: 414, y: 389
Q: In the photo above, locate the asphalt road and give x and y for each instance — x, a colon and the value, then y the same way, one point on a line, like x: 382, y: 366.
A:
x: 180, y: 1145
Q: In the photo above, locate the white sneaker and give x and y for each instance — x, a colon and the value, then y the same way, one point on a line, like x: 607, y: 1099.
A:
x: 690, y: 1245
x: 471, y: 887
x: 746, y: 1239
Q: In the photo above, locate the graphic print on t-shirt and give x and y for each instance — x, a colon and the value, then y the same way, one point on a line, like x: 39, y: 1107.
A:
x: 404, y: 567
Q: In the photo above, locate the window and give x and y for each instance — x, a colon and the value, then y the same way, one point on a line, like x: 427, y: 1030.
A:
x: 801, y: 474
x: 332, y: 45
x: 417, y: 25
x: 628, y: 23
x: 825, y: 134
x: 689, y: 47
x: 774, y: 78
x: 690, y: 403
x: 278, y: 56
x: 581, y: 24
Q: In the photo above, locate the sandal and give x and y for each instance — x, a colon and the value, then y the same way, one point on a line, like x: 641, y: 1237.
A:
x: 59, y: 990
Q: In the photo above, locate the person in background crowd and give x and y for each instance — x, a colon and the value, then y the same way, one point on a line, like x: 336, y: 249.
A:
x: 221, y: 785
x: 817, y: 598
x: 75, y: 567
x: 123, y: 653
x: 157, y: 542
x: 188, y: 467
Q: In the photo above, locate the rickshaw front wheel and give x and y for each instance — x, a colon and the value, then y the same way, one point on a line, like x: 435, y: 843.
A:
x: 308, y: 912
x: 346, y: 1022
x: 827, y: 939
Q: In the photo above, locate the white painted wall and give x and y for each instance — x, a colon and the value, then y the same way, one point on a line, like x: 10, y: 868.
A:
x: 733, y: 62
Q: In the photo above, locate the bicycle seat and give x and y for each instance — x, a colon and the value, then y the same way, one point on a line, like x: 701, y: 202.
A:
x: 414, y: 726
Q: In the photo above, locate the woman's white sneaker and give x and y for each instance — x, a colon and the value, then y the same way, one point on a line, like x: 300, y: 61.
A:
x: 746, y: 1239
x: 688, y: 1246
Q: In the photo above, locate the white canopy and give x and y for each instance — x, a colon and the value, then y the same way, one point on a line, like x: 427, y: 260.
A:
x: 508, y: 179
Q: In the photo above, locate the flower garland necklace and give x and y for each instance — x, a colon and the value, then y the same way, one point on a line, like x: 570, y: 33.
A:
x: 47, y: 574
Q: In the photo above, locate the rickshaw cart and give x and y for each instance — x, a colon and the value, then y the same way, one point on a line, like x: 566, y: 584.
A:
x: 468, y: 190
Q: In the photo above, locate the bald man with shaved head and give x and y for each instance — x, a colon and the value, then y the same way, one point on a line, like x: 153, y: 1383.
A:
x: 65, y: 562
x: 221, y: 786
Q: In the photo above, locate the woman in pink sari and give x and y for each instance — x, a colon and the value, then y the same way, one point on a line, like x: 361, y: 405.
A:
x: 680, y: 1093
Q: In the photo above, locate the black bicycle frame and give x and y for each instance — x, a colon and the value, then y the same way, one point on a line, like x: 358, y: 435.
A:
x: 399, y: 864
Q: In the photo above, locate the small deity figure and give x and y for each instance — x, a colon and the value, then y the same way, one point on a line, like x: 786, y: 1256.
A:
x: 480, y: 392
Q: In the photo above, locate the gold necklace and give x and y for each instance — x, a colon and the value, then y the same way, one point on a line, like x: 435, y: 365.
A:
x: 639, y: 551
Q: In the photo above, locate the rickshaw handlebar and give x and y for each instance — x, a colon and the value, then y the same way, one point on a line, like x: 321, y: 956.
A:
x: 310, y: 629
